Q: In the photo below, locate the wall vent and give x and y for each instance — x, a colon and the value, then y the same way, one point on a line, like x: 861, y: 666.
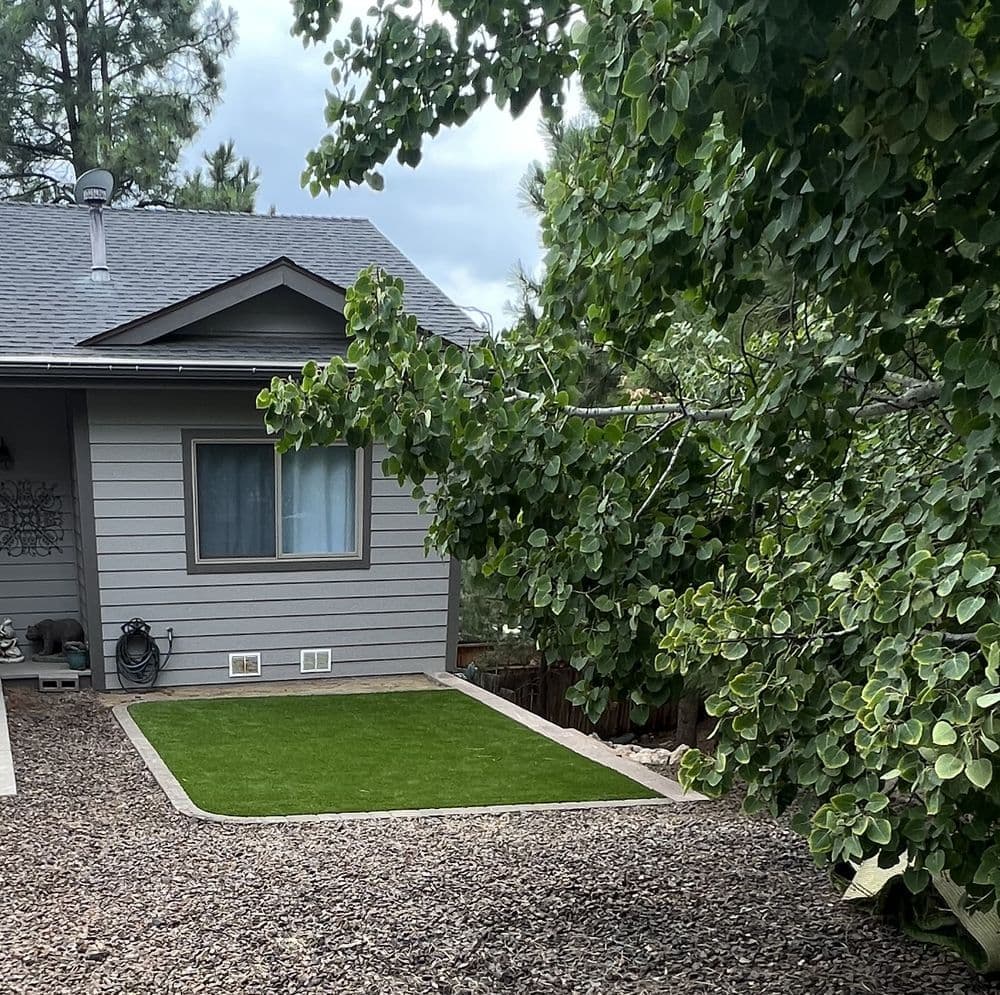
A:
x: 244, y: 664
x: 315, y: 661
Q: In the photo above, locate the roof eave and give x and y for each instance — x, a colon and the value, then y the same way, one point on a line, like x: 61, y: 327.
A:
x: 111, y: 368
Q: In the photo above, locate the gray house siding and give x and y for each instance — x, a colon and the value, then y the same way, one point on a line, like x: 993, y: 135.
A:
x: 34, y: 424
x: 391, y: 617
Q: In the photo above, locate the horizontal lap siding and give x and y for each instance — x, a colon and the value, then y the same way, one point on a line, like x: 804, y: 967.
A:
x: 35, y: 427
x: 388, y: 618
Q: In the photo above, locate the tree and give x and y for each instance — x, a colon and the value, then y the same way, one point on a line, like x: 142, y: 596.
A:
x: 798, y: 505
x: 229, y: 184
x: 485, y: 613
x: 122, y: 84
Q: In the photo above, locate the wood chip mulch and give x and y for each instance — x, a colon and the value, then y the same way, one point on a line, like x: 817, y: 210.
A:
x: 105, y: 889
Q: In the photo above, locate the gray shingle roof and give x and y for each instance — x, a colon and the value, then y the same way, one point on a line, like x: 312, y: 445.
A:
x: 49, y: 304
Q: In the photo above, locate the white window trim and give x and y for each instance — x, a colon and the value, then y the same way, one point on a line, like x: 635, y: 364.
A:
x: 356, y: 556
x: 243, y: 655
x: 316, y: 670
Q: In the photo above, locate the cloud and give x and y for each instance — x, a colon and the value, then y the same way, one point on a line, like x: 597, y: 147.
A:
x: 487, y: 300
x: 457, y: 216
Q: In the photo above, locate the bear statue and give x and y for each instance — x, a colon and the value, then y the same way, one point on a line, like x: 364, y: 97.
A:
x: 53, y: 634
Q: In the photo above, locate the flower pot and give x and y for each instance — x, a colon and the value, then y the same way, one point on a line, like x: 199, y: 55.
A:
x: 77, y: 659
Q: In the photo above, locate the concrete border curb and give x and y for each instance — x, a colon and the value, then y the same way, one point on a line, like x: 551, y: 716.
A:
x: 8, y: 782
x: 572, y: 740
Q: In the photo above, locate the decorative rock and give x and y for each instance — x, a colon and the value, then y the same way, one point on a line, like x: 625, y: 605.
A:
x: 659, y: 757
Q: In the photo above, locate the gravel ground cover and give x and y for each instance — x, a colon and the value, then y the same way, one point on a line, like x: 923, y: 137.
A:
x: 104, y: 889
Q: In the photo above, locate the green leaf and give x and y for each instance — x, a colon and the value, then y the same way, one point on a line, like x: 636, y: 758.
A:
x: 948, y: 766
x: 988, y: 700
x: 979, y: 772
x: 821, y: 229
x: 854, y: 122
x: 641, y: 110
x: 508, y: 566
x: 744, y: 55
x: 679, y: 91
x: 880, y: 831
x: 934, y: 861
x: 538, y: 538
x: 977, y: 569
x: 781, y: 622
x: 884, y: 9
x: 968, y: 607
x: 939, y: 124
x: 894, y: 533
x: 637, y: 81
x: 916, y: 879
x: 662, y: 124
x: 944, y: 733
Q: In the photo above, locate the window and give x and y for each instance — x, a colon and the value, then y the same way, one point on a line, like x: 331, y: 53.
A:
x: 315, y: 661
x: 244, y: 664
x: 255, y: 508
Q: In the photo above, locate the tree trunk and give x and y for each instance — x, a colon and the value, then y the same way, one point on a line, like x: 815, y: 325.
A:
x: 88, y: 117
x: 688, y: 711
x: 67, y: 87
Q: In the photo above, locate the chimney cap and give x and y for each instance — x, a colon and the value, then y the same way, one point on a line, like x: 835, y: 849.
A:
x: 94, y: 187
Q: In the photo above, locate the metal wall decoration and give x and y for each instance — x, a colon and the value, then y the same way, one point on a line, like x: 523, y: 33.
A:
x: 31, y: 518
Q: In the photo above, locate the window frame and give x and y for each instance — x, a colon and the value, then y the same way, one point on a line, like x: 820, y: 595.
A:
x: 360, y: 558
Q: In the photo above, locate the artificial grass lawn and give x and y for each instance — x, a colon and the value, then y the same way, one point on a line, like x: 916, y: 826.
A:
x: 365, y: 752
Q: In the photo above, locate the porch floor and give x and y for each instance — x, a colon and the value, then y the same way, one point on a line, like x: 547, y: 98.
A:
x: 30, y: 669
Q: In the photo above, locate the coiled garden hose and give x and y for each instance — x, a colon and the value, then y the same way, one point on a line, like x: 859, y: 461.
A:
x: 137, y: 654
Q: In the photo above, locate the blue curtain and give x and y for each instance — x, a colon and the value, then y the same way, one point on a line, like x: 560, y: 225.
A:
x: 318, y: 501
x: 235, y: 500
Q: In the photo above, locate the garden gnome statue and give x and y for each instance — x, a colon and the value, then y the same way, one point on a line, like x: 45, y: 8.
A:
x: 9, y: 653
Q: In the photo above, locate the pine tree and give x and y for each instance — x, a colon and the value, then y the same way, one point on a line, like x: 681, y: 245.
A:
x: 123, y: 84
x: 226, y: 184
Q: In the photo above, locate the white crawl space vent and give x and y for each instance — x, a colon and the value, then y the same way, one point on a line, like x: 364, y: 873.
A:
x: 315, y: 661
x: 244, y: 664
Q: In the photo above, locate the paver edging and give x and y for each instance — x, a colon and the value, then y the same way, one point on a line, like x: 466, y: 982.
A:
x: 8, y: 782
x: 671, y: 791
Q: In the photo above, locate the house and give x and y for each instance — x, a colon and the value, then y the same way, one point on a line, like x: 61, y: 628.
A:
x: 136, y: 480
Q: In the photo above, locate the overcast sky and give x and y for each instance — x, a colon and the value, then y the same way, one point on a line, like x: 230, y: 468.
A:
x: 457, y: 216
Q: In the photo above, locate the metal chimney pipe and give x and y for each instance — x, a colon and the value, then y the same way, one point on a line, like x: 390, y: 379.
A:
x: 99, y: 271
x: 93, y: 189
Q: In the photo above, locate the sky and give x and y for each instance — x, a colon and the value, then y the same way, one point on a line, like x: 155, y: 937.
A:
x: 457, y: 216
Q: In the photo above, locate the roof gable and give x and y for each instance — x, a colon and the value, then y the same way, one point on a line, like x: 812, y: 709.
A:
x: 281, y: 272
x: 162, y: 260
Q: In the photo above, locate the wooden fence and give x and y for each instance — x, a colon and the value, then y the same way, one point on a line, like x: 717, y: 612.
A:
x: 544, y: 693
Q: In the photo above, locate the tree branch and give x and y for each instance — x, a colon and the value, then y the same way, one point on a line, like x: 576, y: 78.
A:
x: 915, y: 397
x: 666, y: 473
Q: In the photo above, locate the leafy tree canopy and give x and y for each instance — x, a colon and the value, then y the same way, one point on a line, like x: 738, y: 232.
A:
x: 784, y: 231
x: 225, y: 184
x: 122, y: 84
